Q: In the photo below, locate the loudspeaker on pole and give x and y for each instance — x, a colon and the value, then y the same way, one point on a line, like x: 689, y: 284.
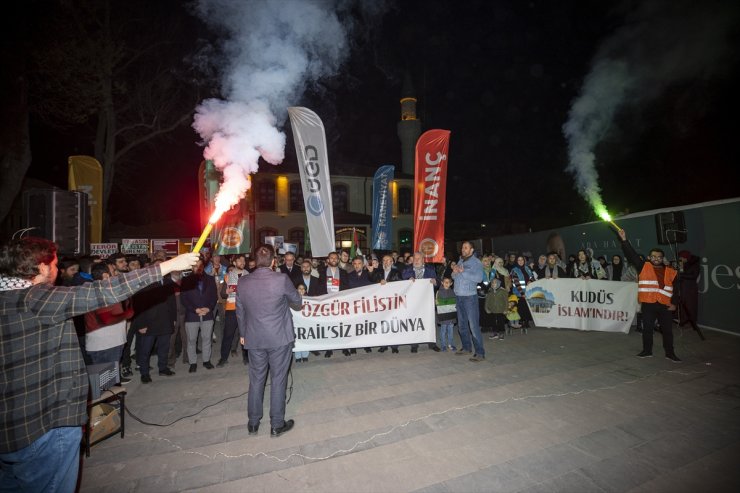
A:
x: 671, y: 227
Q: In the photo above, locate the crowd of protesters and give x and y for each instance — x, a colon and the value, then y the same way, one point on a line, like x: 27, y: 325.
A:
x: 193, y: 316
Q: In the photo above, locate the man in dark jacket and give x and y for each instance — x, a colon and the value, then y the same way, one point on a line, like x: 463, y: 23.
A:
x: 263, y: 302
x: 155, y: 315
x: 291, y: 269
x: 198, y: 296
x: 688, y: 274
x: 360, y: 276
x: 387, y: 274
x: 418, y: 270
x: 313, y: 284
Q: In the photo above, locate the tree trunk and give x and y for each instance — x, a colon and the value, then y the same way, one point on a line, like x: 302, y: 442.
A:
x: 15, y: 141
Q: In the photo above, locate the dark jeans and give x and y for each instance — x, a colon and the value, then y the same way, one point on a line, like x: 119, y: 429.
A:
x: 110, y: 355
x: 655, y: 312
x: 126, y: 359
x: 499, y: 322
x: 230, y: 326
x: 145, y: 349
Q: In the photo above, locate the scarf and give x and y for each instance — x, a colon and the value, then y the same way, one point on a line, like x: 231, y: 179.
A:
x: 499, y: 267
x: 8, y: 283
x: 584, y: 269
x: 551, y: 273
x: 617, y: 271
x: 419, y: 273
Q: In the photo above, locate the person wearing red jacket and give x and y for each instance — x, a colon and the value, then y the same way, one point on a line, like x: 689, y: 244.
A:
x: 105, y: 328
x: 655, y: 292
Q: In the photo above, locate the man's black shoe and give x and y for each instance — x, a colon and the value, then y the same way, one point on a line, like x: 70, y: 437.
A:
x: 305, y: 360
x: 166, y: 372
x: 126, y: 371
x: 414, y: 349
x: 346, y: 352
x: 316, y: 353
x: 276, y: 432
x: 253, y: 429
x: 394, y: 350
x: 353, y: 351
x: 436, y: 349
x: 328, y: 354
x: 146, y: 379
x: 382, y: 350
x: 673, y: 358
x: 221, y: 363
x: 208, y: 365
x: 645, y: 354
x: 368, y: 350
x: 193, y: 368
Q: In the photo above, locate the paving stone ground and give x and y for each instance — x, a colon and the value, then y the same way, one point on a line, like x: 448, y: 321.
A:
x: 549, y: 411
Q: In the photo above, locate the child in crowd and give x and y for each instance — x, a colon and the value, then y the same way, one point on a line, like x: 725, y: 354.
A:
x: 446, y: 315
x: 496, y: 304
x: 512, y: 313
x: 301, y: 356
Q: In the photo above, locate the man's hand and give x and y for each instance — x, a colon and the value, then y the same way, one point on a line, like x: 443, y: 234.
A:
x: 144, y: 329
x: 671, y: 307
x: 182, y: 262
x: 241, y: 341
x: 433, y: 281
x: 622, y: 235
x: 383, y: 282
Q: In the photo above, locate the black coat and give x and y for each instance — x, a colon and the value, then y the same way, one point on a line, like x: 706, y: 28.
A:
x: 315, y: 286
x: 688, y: 288
x: 357, y: 280
x: 192, y: 298
x: 294, y: 273
x: 379, y: 274
x: 155, y: 309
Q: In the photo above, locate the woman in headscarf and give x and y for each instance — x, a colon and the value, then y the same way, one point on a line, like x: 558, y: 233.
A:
x: 521, y: 276
x: 583, y: 268
x: 615, y: 269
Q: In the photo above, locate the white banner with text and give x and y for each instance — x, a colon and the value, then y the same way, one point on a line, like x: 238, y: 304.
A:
x: 607, y: 306
x: 377, y: 315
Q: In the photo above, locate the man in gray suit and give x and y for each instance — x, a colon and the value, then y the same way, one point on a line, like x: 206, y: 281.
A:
x: 263, y: 303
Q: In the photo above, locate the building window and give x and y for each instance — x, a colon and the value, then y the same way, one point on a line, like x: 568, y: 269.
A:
x: 405, y: 201
x: 296, y: 197
x: 266, y: 195
x: 265, y: 232
x: 405, y: 240
x: 339, y: 198
x: 298, y: 236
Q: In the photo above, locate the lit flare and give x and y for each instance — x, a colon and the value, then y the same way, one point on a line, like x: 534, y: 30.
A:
x: 608, y: 218
x: 211, y: 222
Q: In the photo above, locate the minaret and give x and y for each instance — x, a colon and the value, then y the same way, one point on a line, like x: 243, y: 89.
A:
x: 409, y: 128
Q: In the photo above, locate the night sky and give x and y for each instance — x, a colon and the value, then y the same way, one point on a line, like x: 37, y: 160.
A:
x: 502, y: 77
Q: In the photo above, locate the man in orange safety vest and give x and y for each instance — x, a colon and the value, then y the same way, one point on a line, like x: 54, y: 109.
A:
x: 655, y: 293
